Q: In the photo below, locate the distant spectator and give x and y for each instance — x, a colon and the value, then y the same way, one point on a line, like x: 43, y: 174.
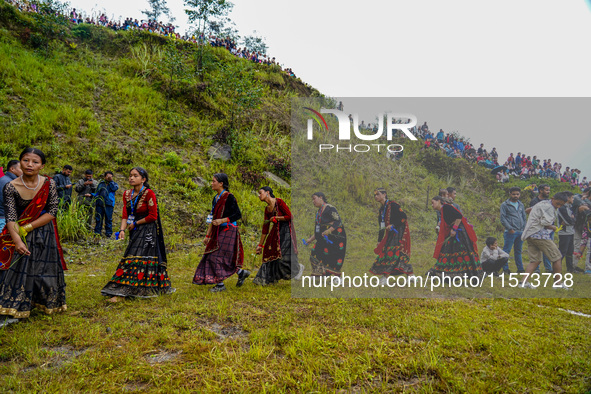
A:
x: 566, y: 234
x: 64, y: 186
x: 13, y: 171
x: 513, y: 220
x: 85, y: 188
x: 538, y: 233
x: 451, y: 194
x: 105, y: 203
x: 492, y: 257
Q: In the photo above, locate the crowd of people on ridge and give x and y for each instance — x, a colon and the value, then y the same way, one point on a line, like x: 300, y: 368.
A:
x: 156, y: 27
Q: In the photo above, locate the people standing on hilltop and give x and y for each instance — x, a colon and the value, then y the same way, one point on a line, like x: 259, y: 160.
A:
x: 456, y: 250
x: 538, y: 232
x: 224, y: 254
x: 278, y: 242
x: 142, y: 272
x: 64, y: 187
x: 13, y: 171
x: 393, y: 248
x: 328, y: 253
x: 31, y: 260
x: 105, y: 203
x: 85, y: 188
x: 513, y: 219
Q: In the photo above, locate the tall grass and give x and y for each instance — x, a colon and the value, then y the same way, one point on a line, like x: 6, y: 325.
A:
x: 72, y: 222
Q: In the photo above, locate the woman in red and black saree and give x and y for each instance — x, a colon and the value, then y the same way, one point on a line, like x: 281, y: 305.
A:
x: 142, y: 271
x: 328, y: 253
x: 31, y: 260
x: 278, y: 242
x: 223, y: 255
x: 456, y: 250
x: 393, y: 248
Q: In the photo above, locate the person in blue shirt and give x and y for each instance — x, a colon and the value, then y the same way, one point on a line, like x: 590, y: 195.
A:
x: 105, y: 203
x: 13, y: 171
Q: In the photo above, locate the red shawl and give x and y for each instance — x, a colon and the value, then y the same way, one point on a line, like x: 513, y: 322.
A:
x: 396, y: 219
x: 213, y: 245
x: 31, y: 213
x: 444, y: 230
x: 272, y: 248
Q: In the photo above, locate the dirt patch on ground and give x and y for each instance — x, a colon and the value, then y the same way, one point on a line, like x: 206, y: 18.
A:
x: 162, y: 356
x: 223, y: 332
x: 56, y: 357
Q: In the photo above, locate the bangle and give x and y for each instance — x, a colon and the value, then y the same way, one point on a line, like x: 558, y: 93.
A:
x: 134, y: 224
x: 260, y: 246
x: 455, y: 227
x: 228, y: 220
x: 28, y: 227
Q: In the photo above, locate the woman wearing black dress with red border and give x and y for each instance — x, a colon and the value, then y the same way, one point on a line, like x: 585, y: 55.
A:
x: 224, y: 255
x: 31, y: 260
x: 278, y: 242
x: 142, y: 270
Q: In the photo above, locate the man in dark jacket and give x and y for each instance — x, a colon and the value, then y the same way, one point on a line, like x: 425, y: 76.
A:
x: 581, y: 207
x: 105, y: 203
x: 13, y: 171
x: 64, y: 186
x: 514, y: 220
x: 566, y: 234
x: 85, y: 188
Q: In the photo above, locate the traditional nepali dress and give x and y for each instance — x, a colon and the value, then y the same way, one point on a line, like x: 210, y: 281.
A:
x: 36, y: 280
x: 328, y: 253
x: 393, y: 248
x: 142, y: 270
x: 457, y: 255
x: 223, y: 255
x: 280, y: 259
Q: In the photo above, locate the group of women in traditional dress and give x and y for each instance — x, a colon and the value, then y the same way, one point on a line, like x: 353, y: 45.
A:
x: 32, y: 264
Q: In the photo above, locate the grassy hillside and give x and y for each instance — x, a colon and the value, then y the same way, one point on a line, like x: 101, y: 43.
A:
x: 96, y: 99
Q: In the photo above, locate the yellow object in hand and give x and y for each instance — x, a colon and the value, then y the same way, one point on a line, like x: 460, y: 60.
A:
x: 24, y: 230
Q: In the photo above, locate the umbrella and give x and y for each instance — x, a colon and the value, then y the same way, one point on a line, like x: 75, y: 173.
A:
x: 497, y: 169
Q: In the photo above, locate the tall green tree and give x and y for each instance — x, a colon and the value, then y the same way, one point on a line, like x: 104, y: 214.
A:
x: 255, y: 44
x: 200, y: 12
x: 157, y: 8
x: 173, y: 66
x: 236, y: 82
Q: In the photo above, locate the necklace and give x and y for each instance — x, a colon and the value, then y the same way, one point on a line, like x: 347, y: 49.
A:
x: 31, y: 188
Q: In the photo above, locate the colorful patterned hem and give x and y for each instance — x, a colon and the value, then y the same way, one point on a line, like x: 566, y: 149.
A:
x: 141, y: 277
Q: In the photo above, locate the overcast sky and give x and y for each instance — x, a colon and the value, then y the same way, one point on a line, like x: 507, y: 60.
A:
x: 428, y: 48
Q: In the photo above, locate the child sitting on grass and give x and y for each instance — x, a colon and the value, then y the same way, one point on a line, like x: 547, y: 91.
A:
x: 493, y: 258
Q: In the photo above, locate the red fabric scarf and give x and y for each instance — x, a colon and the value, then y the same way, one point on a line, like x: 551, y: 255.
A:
x: 389, y: 220
x: 31, y: 213
x: 273, y: 238
x: 444, y: 230
x: 212, y: 245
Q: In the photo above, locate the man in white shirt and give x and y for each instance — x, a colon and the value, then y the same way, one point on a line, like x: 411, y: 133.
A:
x: 538, y: 233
